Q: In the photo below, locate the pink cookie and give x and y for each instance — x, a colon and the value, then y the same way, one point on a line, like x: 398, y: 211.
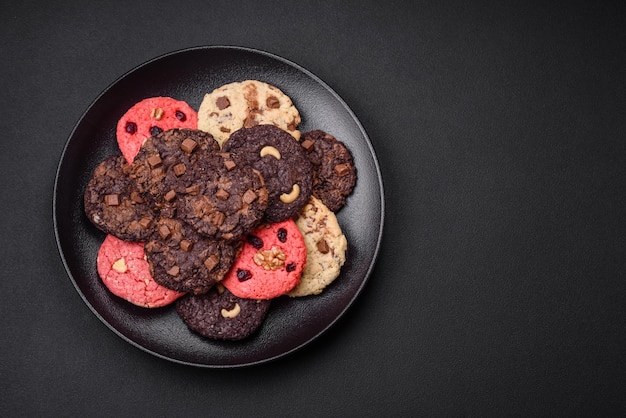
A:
x: 125, y: 272
x: 150, y: 117
x: 270, y: 263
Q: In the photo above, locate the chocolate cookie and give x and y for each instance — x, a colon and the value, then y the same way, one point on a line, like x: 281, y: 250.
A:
x: 180, y: 259
x: 334, y: 174
x: 221, y: 315
x: 283, y: 162
x: 227, y: 200
x: 162, y: 168
x: 114, y: 205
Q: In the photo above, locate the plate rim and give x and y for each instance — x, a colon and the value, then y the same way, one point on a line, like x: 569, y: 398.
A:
x: 270, y: 55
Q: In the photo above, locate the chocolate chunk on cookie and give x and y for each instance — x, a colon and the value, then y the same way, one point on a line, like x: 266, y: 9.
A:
x: 334, y: 173
x: 245, y: 104
x: 219, y: 314
x: 114, y: 204
x: 180, y: 259
x: 226, y: 198
x: 287, y: 171
x: 162, y: 168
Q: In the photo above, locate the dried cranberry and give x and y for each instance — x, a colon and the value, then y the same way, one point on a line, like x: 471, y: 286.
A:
x: 282, y: 234
x: 255, y: 241
x: 290, y: 267
x: 131, y: 127
x: 244, y: 275
x: 180, y: 116
x: 155, y: 130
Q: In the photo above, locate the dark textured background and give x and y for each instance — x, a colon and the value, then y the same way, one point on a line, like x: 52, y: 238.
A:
x: 500, y: 132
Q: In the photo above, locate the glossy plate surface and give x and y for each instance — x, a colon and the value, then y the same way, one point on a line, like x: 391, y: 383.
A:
x: 187, y: 75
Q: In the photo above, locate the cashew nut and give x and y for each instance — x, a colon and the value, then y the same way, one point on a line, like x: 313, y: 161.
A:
x: 269, y: 150
x: 292, y: 195
x: 232, y: 313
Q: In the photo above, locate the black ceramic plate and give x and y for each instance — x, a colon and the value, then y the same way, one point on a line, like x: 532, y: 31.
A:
x: 187, y: 75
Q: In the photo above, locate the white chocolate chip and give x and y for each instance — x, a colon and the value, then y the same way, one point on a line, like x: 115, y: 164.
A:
x: 232, y: 313
x: 269, y: 150
x: 120, y: 266
x: 292, y: 195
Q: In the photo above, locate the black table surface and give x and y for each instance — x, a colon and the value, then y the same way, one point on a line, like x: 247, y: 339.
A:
x: 499, y: 287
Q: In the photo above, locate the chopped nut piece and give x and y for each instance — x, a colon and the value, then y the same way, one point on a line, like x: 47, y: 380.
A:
x: 156, y: 113
x: 174, y: 271
x: 120, y: 265
x: 271, y: 259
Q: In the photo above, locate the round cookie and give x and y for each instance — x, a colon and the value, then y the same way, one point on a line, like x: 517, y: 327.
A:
x: 334, y: 174
x: 114, y: 205
x: 245, y: 104
x: 150, y: 117
x: 287, y: 171
x: 218, y: 314
x: 270, y: 263
x: 164, y: 167
x: 181, y: 260
x: 326, y: 248
x: 229, y: 198
x: 125, y: 272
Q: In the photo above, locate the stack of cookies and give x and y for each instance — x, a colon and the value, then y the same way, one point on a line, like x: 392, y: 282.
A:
x: 222, y: 210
